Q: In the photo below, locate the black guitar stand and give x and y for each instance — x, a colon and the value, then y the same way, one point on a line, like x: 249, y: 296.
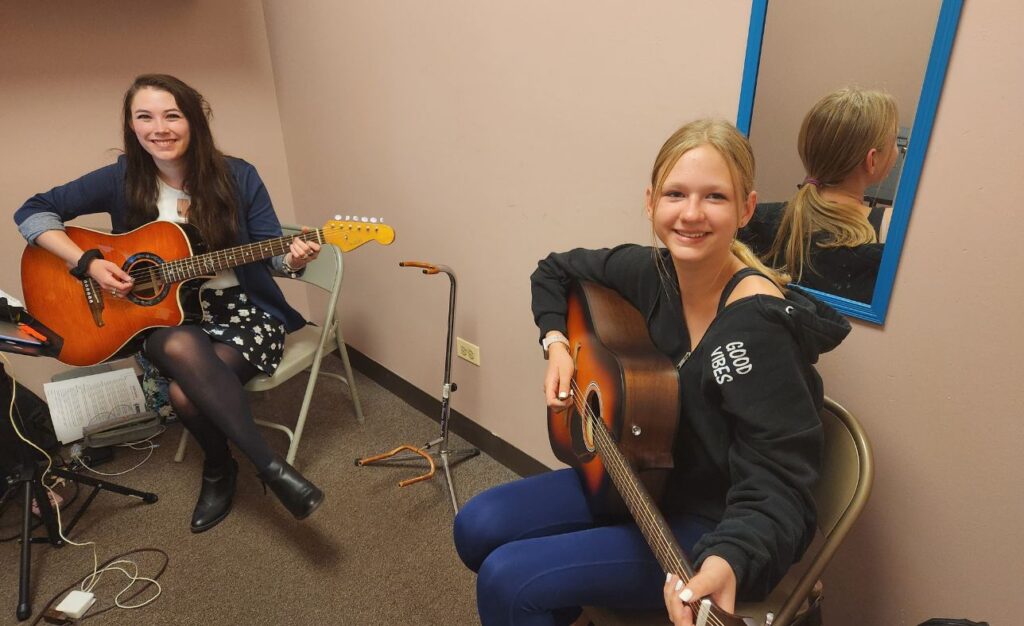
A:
x: 27, y: 474
x: 28, y: 479
x: 435, y: 448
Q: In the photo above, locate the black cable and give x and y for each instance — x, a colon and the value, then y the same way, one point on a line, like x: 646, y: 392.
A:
x: 90, y: 615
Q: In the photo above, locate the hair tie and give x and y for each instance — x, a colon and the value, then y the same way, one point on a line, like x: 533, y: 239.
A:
x: 810, y: 181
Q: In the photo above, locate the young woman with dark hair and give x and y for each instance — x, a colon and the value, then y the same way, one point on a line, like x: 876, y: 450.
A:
x: 172, y: 170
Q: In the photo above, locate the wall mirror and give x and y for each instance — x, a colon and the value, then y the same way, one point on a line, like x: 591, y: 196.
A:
x: 799, y: 50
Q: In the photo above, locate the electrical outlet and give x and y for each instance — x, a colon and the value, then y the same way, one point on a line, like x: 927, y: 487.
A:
x: 468, y: 351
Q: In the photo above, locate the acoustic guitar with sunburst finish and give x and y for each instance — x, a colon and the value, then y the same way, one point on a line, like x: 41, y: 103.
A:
x: 618, y: 434
x: 168, y: 265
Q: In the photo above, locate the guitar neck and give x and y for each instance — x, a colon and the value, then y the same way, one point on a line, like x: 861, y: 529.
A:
x: 646, y: 514
x: 213, y: 262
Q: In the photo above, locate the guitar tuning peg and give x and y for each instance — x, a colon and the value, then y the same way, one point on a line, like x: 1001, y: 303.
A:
x: 381, y: 219
x: 364, y: 219
x: 373, y: 220
x: 348, y: 218
x: 337, y: 218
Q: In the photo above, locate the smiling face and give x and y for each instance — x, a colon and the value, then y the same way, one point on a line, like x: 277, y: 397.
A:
x: 160, y: 127
x: 698, y: 212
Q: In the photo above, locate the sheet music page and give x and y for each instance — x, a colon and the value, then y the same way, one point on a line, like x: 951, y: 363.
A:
x: 11, y: 300
x: 78, y: 402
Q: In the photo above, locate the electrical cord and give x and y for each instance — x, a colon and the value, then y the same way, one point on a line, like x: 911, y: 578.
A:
x: 94, y: 577
x: 76, y: 453
x: 38, y: 521
x: 106, y: 565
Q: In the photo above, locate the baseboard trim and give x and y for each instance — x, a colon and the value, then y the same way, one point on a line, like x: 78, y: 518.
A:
x: 497, y: 448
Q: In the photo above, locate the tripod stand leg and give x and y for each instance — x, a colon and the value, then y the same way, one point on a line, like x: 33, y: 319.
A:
x: 145, y: 496
x: 24, y: 608
x: 448, y: 477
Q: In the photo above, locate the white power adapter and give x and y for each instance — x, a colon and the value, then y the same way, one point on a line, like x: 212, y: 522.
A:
x: 76, y: 603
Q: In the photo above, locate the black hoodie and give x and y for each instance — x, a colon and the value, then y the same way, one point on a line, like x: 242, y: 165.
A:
x: 749, y: 444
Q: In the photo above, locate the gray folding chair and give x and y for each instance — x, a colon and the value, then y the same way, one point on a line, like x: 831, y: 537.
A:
x: 305, y: 348
x: 840, y: 495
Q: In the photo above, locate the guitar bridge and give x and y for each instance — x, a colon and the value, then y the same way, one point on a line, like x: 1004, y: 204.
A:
x: 94, y: 297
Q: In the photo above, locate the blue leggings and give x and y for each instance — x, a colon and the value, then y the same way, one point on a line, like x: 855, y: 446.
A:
x: 540, y: 555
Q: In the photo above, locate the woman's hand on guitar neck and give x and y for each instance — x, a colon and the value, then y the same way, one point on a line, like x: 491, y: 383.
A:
x: 558, y: 379
x: 715, y: 580
x: 301, y: 252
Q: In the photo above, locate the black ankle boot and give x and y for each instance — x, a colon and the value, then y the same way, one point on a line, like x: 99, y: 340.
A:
x: 297, y: 494
x: 215, y: 496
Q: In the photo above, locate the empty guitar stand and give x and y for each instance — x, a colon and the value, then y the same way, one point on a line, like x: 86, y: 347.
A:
x: 435, y: 448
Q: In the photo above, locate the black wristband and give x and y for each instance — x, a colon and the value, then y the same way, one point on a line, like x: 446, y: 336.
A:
x: 81, y: 271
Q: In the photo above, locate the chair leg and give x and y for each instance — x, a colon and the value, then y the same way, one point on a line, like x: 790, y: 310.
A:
x: 180, y: 454
x: 307, y: 398
x: 343, y: 351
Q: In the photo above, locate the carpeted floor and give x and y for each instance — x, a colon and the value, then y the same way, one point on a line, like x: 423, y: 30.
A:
x: 372, y: 554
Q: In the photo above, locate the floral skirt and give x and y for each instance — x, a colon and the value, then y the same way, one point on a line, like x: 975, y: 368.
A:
x: 229, y: 317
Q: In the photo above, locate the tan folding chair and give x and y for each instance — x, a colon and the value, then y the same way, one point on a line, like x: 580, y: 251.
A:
x: 305, y: 348
x: 840, y: 495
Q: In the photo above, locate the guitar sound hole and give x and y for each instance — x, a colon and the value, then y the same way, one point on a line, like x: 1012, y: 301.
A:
x: 149, y: 288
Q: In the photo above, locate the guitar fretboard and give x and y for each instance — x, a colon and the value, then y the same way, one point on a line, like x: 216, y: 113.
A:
x: 212, y: 262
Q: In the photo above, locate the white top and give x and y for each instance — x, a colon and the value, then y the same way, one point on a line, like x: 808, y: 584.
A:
x: 173, y: 206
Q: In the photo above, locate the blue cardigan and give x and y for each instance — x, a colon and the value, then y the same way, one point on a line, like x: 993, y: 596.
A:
x: 102, y: 191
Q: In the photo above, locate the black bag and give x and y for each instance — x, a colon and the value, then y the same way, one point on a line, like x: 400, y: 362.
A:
x: 30, y: 414
x: 947, y: 621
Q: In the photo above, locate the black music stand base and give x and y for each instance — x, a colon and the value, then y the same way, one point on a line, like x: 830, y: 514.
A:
x: 29, y: 476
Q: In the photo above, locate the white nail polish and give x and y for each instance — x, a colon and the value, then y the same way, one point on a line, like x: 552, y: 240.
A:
x: 686, y: 595
x: 562, y: 395
x: 679, y: 585
x: 668, y: 577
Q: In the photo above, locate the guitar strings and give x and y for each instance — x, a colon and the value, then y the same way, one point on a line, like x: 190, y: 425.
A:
x: 633, y: 493
x: 635, y: 497
x: 240, y: 251
x: 598, y: 427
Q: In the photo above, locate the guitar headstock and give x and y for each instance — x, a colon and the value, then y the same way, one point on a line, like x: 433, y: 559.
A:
x: 351, y: 233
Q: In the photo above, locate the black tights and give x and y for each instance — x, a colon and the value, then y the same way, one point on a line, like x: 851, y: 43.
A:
x: 207, y: 392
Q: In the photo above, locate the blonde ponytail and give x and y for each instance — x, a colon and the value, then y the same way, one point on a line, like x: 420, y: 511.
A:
x: 835, y: 135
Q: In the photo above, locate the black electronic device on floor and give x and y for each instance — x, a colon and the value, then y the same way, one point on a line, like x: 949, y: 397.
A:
x: 24, y: 474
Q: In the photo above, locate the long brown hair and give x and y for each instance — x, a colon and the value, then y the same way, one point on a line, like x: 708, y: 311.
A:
x: 208, y: 179
x: 835, y: 136
x: 729, y: 142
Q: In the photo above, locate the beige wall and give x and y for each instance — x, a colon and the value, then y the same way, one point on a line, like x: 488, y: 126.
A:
x: 63, y: 75
x: 489, y: 135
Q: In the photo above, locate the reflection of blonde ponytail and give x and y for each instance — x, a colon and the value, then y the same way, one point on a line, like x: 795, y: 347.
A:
x: 735, y: 149
x: 836, y: 135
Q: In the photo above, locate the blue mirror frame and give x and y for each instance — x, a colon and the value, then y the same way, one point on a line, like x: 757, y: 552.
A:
x: 931, y: 89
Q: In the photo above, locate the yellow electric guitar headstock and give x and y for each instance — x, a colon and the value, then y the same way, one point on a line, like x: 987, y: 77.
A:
x: 353, y: 232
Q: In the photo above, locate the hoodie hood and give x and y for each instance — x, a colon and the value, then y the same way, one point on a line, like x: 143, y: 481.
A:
x: 816, y: 326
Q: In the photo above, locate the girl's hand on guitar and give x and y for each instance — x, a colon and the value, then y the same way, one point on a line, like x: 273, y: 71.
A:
x: 301, y: 252
x: 715, y: 580
x: 558, y: 379
x: 111, y: 278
